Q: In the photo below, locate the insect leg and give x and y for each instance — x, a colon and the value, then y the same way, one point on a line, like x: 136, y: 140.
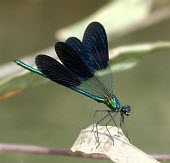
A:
x: 111, y: 119
x: 123, y: 127
x: 95, y: 125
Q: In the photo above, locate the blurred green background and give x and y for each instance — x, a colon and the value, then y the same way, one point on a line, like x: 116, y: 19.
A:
x: 51, y: 115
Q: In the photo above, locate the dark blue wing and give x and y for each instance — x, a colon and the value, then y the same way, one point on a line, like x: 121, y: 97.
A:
x: 80, y: 62
x: 71, y: 58
x: 55, y: 71
x: 75, y: 43
x: 95, y: 42
x: 78, y: 46
x: 60, y: 74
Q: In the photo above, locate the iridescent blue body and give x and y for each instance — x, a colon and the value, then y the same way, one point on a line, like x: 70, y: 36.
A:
x: 82, y: 62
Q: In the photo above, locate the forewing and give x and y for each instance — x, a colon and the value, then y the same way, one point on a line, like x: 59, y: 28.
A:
x: 72, y: 59
x: 55, y: 71
x: 58, y: 73
x: 78, y: 46
x: 75, y: 43
x: 95, y: 42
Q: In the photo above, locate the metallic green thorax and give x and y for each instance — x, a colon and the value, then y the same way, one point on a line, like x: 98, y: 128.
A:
x: 113, y: 103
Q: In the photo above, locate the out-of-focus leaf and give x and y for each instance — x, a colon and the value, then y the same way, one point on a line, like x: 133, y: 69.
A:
x: 116, y: 16
x: 125, y: 57
x: 13, y: 78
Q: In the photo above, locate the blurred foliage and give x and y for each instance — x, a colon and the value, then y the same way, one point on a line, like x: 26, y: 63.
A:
x: 31, y: 117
